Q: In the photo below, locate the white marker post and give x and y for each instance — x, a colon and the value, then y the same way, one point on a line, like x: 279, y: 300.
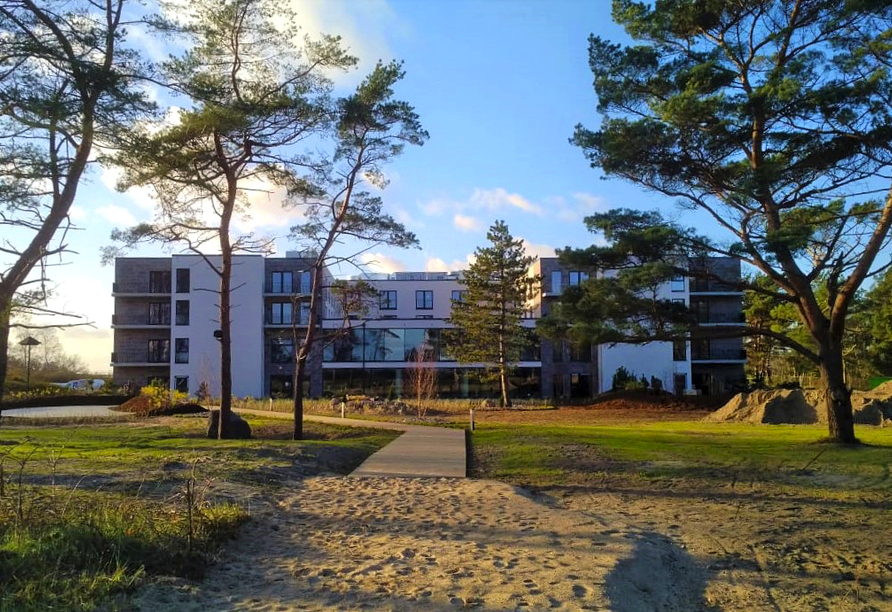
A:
x: 472, y: 419
x: 343, y: 410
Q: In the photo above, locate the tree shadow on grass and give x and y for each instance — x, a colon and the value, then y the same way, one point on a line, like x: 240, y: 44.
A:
x: 657, y: 576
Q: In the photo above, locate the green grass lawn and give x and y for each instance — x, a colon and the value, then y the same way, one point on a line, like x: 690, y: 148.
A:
x: 88, y: 511
x: 688, y: 454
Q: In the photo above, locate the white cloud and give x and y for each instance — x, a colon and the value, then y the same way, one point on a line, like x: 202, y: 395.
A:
x: 116, y: 215
x: 499, y: 198
x: 141, y: 196
x: 467, y: 224
x: 437, y: 264
x: 537, y: 250
x: 406, y: 219
x: 77, y: 213
x: 379, y: 262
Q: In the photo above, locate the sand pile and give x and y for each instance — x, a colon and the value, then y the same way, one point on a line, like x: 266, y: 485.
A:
x: 778, y: 406
x: 797, y: 406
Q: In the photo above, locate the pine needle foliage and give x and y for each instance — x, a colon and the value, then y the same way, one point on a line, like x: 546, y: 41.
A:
x: 488, y: 318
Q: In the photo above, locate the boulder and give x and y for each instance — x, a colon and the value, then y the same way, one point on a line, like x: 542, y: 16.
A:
x: 238, y: 427
x: 868, y: 414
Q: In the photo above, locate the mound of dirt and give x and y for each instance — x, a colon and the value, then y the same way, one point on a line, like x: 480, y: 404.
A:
x: 779, y: 406
x: 798, y: 406
x: 884, y: 389
x: 142, y: 406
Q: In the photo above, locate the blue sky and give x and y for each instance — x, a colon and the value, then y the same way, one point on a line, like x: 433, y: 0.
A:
x: 499, y: 85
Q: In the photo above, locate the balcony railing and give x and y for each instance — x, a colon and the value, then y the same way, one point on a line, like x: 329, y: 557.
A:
x: 154, y: 359
x: 700, y: 285
x: 138, y: 288
x: 714, y: 354
x: 721, y: 317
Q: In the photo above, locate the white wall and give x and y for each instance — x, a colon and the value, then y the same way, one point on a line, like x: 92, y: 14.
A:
x: 653, y: 359
x: 204, y: 315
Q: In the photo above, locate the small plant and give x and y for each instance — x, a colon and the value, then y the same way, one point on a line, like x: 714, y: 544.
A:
x: 204, y: 392
x: 622, y: 378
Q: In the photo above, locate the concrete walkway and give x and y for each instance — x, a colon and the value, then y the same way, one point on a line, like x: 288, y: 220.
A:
x: 420, y: 452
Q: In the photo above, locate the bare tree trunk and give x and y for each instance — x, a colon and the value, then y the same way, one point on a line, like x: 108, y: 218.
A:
x: 225, y: 343
x: 838, y: 397
x: 303, y: 355
x: 5, y: 313
x: 503, y: 372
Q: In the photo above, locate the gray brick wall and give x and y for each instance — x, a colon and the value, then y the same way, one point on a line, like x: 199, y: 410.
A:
x: 132, y: 273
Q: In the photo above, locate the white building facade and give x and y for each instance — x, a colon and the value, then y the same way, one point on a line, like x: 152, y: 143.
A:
x: 166, y: 313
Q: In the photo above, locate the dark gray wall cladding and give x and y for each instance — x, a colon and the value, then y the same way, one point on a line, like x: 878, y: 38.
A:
x: 132, y: 273
x: 138, y: 376
x: 565, y: 368
x: 132, y: 345
x: 135, y: 311
x: 727, y: 268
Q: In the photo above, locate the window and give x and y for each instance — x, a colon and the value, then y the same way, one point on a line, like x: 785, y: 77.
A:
x: 679, y: 350
x: 557, y: 385
x: 280, y: 313
x: 577, y: 277
x: 182, y: 312
x: 281, y: 350
x: 182, y: 280
x: 159, y: 351
x: 281, y: 282
x: 556, y: 282
x: 181, y: 383
x: 304, y: 313
x: 581, y: 352
x: 306, y: 282
x: 677, y: 283
x: 387, y: 300
x: 424, y: 300
x: 679, y: 301
x: 557, y: 351
x: 458, y: 296
x: 181, y: 350
x: 159, y: 282
x: 159, y: 313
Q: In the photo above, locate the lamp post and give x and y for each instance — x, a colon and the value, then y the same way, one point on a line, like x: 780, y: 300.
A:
x: 29, y: 342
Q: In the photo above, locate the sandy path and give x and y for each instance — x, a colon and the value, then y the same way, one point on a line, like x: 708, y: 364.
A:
x: 431, y: 544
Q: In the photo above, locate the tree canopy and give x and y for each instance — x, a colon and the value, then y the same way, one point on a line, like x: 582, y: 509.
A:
x: 773, y: 119
x: 488, y: 317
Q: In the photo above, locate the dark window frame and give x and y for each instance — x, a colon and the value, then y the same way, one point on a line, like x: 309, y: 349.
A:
x: 159, y: 281
x: 679, y: 350
x: 424, y: 294
x: 184, y: 279
x: 158, y: 314
x: 283, y: 287
x: 384, y: 301
x: 281, y: 319
x: 281, y: 350
x: 181, y: 384
x: 182, y: 318
x: 158, y: 350
x: 181, y: 350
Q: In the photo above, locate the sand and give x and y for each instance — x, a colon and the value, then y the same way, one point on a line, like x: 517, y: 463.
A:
x: 435, y: 544
x: 799, y: 406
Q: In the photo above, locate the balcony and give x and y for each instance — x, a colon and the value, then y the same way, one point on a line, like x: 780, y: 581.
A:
x: 721, y: 318
x: 144, y: 322
x: 712, y: 287
x: 136, y: 290
x: 135, y: 360
x: 714, y: 355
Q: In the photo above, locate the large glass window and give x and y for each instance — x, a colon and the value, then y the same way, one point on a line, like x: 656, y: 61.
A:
x: 556, y: 285
x: 159, y: 313
x: 281, y: 282
x: 183, y: 280
x: 387, y: 300
x: 306, y: 282
x: 577, y: 277
x: 159, y: 351
x: 159, y: 282
x: 679, y: 350
x: 424, y: 300
x: 181, y: 350
x: 181, y: 383
x: 280, y: 313
x: 458, y: 295
x: 281, y: 350
x: 677, y: 283
x: 182, y: 312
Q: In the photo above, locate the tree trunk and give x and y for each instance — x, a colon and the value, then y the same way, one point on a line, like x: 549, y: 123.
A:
x: 300, y: 364
x: 225, y: 344
x: 5, y: 313
x: 503, y: 372
x: 299, y: 374
x: 838, y: 397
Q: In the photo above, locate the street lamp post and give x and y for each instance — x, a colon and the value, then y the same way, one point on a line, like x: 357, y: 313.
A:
x: 29, y: 342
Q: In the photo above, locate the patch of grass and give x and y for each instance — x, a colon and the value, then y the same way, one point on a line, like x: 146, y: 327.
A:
x: 87, y: 511
x: 688, y: 454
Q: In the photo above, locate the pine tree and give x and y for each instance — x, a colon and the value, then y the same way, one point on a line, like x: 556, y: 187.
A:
x: 487, y: 318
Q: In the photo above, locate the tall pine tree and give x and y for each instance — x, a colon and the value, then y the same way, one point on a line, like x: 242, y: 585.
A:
x: 488, y: 317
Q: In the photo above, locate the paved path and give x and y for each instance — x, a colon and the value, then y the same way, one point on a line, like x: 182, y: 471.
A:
x: 64, y: 412
x: 420, y: 452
